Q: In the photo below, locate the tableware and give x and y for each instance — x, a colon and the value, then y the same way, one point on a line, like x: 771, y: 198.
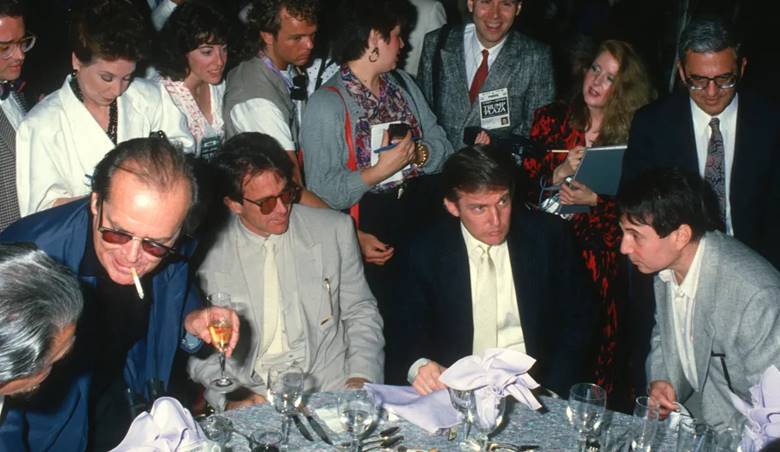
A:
x: 220, y: 329
x: 265, y: 441
x: 587, y: 403
x: 314, y: 424
x: 386, y: 444
x: 217, y: 429
x: 462, y: 402
x: 615, y: 438
x: 285, y: 390
x: 301, y: 428
x: 646, y: 413
x: 728, y: 440
x: 485, y: 416
x: 693, y: 436
x: 358, y: 411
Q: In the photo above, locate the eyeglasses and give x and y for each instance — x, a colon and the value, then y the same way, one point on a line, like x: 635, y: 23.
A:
x: 267, y: 205
x: 25, y: 44
x: 116, y: 237
x: 725, y: 81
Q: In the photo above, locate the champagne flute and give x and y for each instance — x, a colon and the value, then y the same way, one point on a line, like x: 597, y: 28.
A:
x: 462, y: 401
x: 221, y: 329
x: 285, y: 390
x: 587, y: 403
x: 646, y: 412
x: 486, y: 413
x: 358, y: 411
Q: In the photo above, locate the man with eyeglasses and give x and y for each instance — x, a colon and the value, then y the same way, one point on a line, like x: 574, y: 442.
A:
x: 14, y: 43
x: 727, y: 134
x: 266, y: 93
x: 297, y: 271
x: 125, y: 243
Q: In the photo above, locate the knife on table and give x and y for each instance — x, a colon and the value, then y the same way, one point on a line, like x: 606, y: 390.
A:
x: 302, y: 428
x: 315, y: 425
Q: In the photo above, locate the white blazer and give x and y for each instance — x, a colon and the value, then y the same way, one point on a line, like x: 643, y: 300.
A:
x: 59, y: 142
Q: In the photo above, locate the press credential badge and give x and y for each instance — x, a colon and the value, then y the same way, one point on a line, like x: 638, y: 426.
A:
x: 494, y: 109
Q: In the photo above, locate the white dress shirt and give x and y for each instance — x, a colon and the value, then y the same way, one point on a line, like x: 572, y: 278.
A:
x: 262, y: 115
x: 683, y: 298
x: 472, y: 50
x: 702, y: 132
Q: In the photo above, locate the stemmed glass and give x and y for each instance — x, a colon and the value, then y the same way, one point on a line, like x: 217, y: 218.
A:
x: 462, y: 401
x: 285, y: 391
x: 358, y: 411
x: 221, y: 330
x: 646, y: 412
x: 486, y: 414
x: 587, y: 403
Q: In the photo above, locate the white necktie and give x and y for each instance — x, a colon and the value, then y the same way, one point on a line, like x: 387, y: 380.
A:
x: 272, y: 319
x: 485, y: 328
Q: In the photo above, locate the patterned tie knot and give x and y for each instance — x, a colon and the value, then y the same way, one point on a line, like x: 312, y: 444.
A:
x: 485, y: 53
x: 714, y: 123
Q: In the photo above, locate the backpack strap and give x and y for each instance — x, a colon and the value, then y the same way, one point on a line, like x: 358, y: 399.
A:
x: 354, y: 211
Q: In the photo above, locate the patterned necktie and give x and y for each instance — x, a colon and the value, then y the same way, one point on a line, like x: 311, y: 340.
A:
x: 479, y: 77
x: 485, y: 328
x: 714, y: 169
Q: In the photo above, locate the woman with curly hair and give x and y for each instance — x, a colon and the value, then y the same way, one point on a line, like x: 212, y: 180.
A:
x: 191, y: 61
x: 98, y: 106
x: 614, y: 86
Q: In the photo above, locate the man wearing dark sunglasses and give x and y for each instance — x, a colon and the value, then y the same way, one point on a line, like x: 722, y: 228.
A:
x: 299, y: 273
x: 126, y: 245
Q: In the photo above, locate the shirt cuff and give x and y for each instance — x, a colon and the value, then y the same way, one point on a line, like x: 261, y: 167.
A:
x: 190, y: 343
x: 415, y: 369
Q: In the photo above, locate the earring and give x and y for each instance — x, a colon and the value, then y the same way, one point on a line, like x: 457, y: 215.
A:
x: 74, y: 73
x: 374, y: 55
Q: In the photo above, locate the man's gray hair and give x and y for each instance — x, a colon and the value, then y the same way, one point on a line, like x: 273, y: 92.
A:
x: 707, y: 34
x: 38, y: 298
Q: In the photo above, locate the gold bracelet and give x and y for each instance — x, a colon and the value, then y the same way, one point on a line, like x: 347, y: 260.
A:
x: 421, y: 154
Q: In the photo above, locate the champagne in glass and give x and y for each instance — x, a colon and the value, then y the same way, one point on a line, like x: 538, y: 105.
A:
x: 285, y: 391
x: 221, y: 330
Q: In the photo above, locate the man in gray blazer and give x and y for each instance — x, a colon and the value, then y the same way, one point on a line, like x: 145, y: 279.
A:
x: 485, y: 74
x: 294, y: 274
x: 717, y: 301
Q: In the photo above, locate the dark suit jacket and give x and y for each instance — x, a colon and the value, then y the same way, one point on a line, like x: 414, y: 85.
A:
x: 524, y: 67
x: 662, y: 136
x: 557, y: 311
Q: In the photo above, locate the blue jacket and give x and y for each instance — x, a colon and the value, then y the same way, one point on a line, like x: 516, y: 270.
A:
x: 62, y: 425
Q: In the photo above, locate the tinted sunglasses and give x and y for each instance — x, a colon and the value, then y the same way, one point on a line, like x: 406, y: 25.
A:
x: 267, y: 205
x: 116, y: 237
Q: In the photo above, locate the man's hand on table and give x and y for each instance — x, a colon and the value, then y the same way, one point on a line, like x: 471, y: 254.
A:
x: 250, y: 399
x: 355, y: 383
x: 427, y: 380
x: 663, y: 392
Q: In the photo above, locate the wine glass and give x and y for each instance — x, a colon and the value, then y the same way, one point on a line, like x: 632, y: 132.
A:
x: 285, y: 390
x: 646, y: 412
x: 221, y: 329
x: 587, y: 403
x: 693, y: 436
x: 462, y: 401
x: 358, y: 411
x: 486, y: 413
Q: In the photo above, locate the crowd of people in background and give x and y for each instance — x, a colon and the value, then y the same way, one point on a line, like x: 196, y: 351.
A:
x: 375, y: 212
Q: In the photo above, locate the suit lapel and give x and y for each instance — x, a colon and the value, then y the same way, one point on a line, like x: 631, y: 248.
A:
x: 306, y: 261
x: 522, y: 255
x: 668, y: 342
x: 690, y: 159
x: 455, y: 281
x: 454, y: 67
x: 706, y: 297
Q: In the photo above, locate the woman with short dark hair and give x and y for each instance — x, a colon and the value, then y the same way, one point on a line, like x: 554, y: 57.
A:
x: 191, y: 62
x: 99, y: 105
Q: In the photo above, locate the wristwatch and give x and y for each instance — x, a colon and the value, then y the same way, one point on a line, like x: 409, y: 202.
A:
x: 421, y: 154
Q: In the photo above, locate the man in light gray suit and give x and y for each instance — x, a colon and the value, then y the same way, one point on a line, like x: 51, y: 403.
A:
x: 295, y: 275
x: 717, y: 301
x: 485, y: 75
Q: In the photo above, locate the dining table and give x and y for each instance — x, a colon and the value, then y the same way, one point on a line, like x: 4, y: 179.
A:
x: 547, y: 428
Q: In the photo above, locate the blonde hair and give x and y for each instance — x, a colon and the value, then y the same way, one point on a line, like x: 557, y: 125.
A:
x: 631, y: 90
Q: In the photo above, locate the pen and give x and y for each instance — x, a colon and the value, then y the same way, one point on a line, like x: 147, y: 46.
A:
x: 391, y: 146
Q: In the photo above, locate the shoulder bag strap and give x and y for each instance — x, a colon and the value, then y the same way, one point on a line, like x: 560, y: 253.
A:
x: 354, y: 211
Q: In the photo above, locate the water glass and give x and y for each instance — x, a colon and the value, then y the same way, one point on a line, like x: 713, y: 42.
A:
x: 728, y: 440
x: 217, y: 429
x: 587, y: 403
x: 285, y: 391
x: 358, y: 412
x: 615, y: 439
x: 646, y: 413
x: 486, y: 414
x: 265, y: 441
x: 694, y: 436
x: 462, y: 401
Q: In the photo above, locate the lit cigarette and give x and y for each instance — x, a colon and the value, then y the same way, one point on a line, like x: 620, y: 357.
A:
x: 137, y: 283
x: 559, y: 151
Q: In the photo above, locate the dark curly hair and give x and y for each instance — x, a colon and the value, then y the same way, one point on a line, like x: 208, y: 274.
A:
x: 359, y: 17
x: 191, y: 25
x: 265, y: 16
x: 12, y: 8
x: 110, y: 30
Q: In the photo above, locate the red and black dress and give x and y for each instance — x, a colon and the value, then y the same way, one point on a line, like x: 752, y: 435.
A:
x: 598, y: 231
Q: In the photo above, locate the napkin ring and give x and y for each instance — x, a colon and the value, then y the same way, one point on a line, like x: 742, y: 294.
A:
x: 421, y: 154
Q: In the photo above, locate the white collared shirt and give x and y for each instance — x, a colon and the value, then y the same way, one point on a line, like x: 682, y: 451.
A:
x: 728, y: 128
x: 683, y: 300
x: 13, y: 111
x: 472, y: 50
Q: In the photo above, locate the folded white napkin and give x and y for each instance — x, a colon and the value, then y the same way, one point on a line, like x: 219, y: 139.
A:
x: 493, y: 376
x: 432, y: 412
x: 167, y: 427
x: 763, y: 415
